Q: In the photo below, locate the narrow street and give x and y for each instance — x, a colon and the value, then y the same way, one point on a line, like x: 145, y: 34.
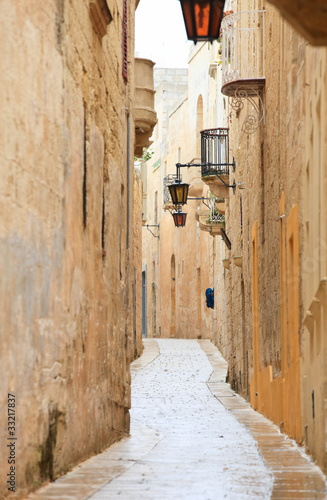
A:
x: 193, y: 438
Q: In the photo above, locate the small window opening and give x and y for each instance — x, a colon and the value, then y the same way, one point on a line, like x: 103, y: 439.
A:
x: 124, y: 40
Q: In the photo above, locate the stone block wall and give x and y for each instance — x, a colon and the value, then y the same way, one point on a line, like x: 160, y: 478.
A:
x: 268, y: 163
x: 275, y: 306
x: 314, y: 262
x: 66, y: 245
x: 137, y: 273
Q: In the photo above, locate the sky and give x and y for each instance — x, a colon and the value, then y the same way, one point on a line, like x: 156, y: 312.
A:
x: 160, y: 33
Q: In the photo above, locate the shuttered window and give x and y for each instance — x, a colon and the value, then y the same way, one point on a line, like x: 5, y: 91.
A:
x: 124, y: 40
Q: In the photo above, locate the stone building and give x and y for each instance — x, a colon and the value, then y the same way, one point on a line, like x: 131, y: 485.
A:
x: 176, y: 265
x: 269, y: 320
x: 70, y: 258
x: 278, y: 224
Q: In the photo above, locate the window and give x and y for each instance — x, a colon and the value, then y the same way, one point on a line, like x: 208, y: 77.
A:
x: 124, y: 40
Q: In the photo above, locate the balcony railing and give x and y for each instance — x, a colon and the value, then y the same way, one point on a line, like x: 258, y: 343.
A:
x: 215, y: 216
x: 215, y: 166
x: 215, y: 152
x: 243, y: 48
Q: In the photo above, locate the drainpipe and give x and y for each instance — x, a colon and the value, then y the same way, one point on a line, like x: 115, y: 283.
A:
x: 128, y: 175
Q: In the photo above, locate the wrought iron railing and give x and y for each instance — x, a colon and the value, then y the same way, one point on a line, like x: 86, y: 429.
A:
x: 243, y: 46
x: 215, y: 216
x: 169, y: 179
x: 215, y: 152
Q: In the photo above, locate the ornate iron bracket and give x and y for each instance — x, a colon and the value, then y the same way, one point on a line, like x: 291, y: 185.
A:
x: 257, y: 115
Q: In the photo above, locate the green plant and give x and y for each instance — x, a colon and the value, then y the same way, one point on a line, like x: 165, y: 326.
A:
x: 146, y: 156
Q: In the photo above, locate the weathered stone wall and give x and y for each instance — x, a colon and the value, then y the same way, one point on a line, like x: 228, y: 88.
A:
x: 314, y: 263
x: 268, y: 162
x: 282, y: 170
x: 308, y: 19
x: 137, y: 272
x: 66, y: 246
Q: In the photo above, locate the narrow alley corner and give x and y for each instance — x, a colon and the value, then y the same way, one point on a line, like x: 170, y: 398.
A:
x: 192, y: 438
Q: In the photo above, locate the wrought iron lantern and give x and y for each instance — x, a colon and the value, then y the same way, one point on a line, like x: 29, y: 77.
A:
x: 179, y: 218
x: 202, y: 19
x: 178, y: 192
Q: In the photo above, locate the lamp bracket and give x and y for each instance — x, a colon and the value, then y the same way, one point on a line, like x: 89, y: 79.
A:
x: 153, y: 225
x: 202, y: 199
x: 180, y: 165
x: 226, y: 239
x: 233, y: 186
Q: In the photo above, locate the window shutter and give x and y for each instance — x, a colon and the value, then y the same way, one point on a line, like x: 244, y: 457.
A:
x: 124, y: 40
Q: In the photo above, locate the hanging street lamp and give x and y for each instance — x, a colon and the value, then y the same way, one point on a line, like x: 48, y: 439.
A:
x: 214, y: 163
x: 178, y: 192
x: 202, y: 19
x: 179, y: 218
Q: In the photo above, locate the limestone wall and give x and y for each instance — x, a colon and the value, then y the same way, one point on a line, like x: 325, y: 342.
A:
x: 314, y: 262
x: 268, y: 163
x: 276, y: 219
x: 66, y: 234
x: 137, y: 262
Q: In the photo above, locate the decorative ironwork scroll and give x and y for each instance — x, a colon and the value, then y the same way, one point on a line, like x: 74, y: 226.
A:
x: 256, y: 115
x: 243, y: 64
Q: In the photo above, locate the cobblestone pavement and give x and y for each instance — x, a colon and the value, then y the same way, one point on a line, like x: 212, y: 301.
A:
x: 191, y: 438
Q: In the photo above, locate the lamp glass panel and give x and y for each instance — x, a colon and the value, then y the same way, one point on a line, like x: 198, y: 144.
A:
x: 187, y: 14
x: 202, y: 17
x: 218, y: 7
x: 179, y: 219
x: 178, y: 192
x: 182, y: 192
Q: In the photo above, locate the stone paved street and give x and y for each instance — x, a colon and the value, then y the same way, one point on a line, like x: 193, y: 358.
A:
x: 192, y: 437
